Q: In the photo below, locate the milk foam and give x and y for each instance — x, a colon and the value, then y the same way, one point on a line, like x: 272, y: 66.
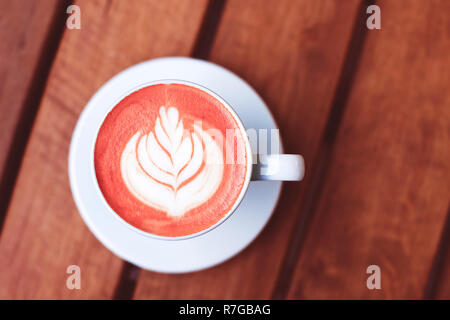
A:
x: 172, y: 169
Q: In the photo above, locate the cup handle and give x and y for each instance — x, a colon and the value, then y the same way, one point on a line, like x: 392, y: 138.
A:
x: 280, y: 167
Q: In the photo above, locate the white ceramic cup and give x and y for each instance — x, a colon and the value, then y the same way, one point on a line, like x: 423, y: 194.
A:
x: 279, y: 167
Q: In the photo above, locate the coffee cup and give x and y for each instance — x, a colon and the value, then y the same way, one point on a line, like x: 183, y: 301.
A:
x: 173, y: 160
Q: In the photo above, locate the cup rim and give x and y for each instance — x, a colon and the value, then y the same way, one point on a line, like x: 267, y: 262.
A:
x: 241, y: 128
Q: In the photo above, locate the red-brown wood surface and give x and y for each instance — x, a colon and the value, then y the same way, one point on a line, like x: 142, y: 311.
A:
x: 387, y: 191
x: 286, y: 51
x: 368, y: 109
x: 43, y: 233
x: 24, y: 28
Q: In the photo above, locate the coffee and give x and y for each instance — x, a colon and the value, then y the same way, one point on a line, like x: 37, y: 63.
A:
x: 163, y: 160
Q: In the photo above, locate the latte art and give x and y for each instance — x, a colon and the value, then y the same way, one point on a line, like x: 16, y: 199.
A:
x: 172, y: 169
x: 162, y: 163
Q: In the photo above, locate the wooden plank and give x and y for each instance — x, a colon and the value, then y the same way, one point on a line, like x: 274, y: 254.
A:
x: 291, y: 52
x: 43, y: 232
x: 387, y: 191
x: 24, y: 29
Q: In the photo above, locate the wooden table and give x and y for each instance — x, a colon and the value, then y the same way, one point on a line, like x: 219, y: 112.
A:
x: 368, y: 109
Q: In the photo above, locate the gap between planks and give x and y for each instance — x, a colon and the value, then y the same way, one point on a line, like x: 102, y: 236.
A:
x: 30, y: 107
x: 324, y: 155
x: 437, y: 267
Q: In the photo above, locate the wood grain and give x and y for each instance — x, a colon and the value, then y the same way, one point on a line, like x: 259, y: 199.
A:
x: 387, y: 191
x: 24, y: 29
x: 292, y: 53
x: 43, y: 232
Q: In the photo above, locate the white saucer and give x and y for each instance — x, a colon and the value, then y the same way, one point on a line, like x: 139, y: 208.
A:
x: 193, y: 254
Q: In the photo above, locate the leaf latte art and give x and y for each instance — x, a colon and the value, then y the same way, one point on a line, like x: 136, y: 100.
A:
x: 172, y: 169
x: 161, y: 160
